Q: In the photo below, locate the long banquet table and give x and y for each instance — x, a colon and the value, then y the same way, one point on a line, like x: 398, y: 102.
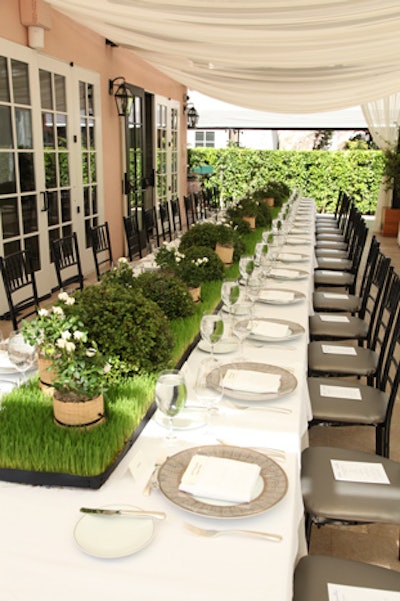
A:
x: 40, y: 559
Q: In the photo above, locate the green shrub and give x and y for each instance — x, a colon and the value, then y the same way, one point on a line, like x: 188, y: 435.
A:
x: 169, y: 292
x: 211, y: 269
x: 127, y: 325
x: 208, y: 234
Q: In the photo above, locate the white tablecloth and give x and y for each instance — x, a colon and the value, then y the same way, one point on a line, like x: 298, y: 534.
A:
x: 41, y: 561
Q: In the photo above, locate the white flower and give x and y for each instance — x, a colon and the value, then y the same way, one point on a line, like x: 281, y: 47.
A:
x: 107, y: 368
x: 70, y: 300
x: 66, y: 335
x: 122, y: 261
x: 70, y: 347
x: 91, y: 352
x: 78, y: 335
x: 43, y: 312
x: 60, y: 342
x: 58, y: 311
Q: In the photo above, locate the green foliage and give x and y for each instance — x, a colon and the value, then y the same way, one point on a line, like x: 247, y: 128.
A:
x: 319, y: 174
x: 169, y: 292
x: 208, y: 234
x: 211, y: 269
x: 126, y: 324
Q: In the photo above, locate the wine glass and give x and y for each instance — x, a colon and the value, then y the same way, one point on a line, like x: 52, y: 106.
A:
x: 243, y: 323
x: 171, y: 394
x: 246, y: 266
x: 253, y: 288
x: 212, y: 329
x: 230, y: 292
x: 206, y: 391
x: 21, y: 354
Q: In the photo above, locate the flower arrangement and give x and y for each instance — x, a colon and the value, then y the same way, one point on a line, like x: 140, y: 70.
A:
x: 61, y: 336
x: 194, y: 266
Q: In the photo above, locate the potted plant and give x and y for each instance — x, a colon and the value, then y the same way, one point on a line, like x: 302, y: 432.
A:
x: 224, y: 245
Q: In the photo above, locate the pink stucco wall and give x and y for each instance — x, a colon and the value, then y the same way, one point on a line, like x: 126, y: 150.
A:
x: 68, y: 41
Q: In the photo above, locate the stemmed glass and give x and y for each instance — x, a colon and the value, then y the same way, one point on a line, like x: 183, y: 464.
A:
x: 171, y: 394
x: 206, y: 392
x: 246, y: 266
x: 21, y: 354
x: 253, y: 288
x: 230, y: 292
x: 243, y: 323
x: 211, y: 330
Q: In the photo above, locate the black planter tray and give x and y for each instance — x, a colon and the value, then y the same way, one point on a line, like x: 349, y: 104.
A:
x: 60, y: 479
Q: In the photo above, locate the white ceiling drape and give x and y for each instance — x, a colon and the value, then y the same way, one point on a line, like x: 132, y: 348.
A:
x: 286, y: 56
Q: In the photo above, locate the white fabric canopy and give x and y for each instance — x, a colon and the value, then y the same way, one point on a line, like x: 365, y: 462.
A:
x: 287, y: 56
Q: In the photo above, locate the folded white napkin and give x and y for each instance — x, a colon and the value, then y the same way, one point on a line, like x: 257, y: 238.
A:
x: 289, y: 257
x: 220, y: 478
x: 284, y: 273
x: 270, y: 329
x: 251, y: 381
x: 276, y: 295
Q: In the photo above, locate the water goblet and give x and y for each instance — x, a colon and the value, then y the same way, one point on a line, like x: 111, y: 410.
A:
x: 253, y: 288
x: 243, y: 323
x: 212, y: 330
x: 246, y: 266
x: 21, y: 354
x: 171, y: 394
x: 230, y: 293
x: 206, y: 392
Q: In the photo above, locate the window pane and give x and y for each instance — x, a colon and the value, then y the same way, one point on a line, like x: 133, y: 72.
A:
x: 48, y: 130
x: 11, y: 247
x: 91, y: 133
x: 45, y: 90
x: 32, y: 245
x: 7, y: 173
x: 20, y: 81
x: 65, y: 206
x: 9, y: 217
x: 63, y: 162
x: 94, y: 199
x: 26, y: 171
x: 86, y: 204
x: 82, y: 98
x: 4, y: 88
x: 50, y: 169
x: 61, y: 121
x: 52, y: 213
x: 83, y: 134
x: 23, y: 125
x: 61, y: 102
x: 93, y: 177
x: 5, y: 129
x: 29, y: 214
x: 90, y: 97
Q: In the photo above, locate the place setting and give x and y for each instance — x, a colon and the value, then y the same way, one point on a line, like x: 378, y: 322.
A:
x: 280, y: 296
x: 288, y: 274
x: 274, y: 330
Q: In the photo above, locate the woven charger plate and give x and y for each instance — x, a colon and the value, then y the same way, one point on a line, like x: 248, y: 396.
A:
x: 272, y: 486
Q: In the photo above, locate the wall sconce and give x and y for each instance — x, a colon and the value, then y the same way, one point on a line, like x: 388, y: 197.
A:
x: 192, y: 115
x: 123, y: 96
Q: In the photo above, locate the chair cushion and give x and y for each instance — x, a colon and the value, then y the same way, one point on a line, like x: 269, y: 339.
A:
x: 324, y: 301
x: 328, y: 499
x: 371, y: 409
x: 334, y: 263
x: 331, y: 252
x: 313, y: 573
x: 331, y: 244
x: 352, y: 328
x: 330, y: 277
x: 363, y: 363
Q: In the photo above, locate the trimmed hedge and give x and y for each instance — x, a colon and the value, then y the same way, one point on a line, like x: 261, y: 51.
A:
x: 320, y: 174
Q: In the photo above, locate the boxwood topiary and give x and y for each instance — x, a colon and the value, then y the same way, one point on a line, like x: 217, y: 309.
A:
x: 126, y: 324
x: 168, y: 291
x: 209, y: 270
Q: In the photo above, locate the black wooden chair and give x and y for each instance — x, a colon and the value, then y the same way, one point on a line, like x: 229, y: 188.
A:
x: 67, y: 262
x: 150, y: 226
x: 101, y: 247
x: 165, y: 220
x: 189, y: 210
x: 20, y: 286
x: 134, y: 238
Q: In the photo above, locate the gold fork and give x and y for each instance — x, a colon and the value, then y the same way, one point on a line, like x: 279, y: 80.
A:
x: 212, y: 533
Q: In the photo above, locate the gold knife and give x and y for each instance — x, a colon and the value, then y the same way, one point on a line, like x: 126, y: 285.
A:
x: 135, y: 513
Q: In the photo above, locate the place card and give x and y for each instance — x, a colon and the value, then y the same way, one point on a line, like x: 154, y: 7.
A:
x: 331, y: 349
x: 277, y: 295
x: 335, y: 318
x: 343, y: 592
x: 340, y: 392
x: 270, y: 329
x: 220, y: 478
x: 359, y: 471
x: 333, y: 295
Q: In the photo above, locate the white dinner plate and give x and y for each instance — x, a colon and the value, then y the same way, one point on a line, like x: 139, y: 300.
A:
x: 288, y: 274
x: 6, y: 367
x: 275, y: 300
x: 295, y: 330
x: 224, y: 346
x: 112, y: 536
x: 189, y: 418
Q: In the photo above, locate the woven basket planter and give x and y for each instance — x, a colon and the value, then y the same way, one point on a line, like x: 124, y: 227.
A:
x: 74, y: 411
x: 251, y: 221
x: 225, y: 253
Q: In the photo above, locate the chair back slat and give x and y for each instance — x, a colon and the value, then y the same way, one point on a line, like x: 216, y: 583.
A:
x: 66, y: 255
x: 101, y: 247
x: 20, y: 286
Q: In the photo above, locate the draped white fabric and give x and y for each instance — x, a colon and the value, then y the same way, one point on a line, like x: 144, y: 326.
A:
x: 383, y: 119
x: 287, y: 56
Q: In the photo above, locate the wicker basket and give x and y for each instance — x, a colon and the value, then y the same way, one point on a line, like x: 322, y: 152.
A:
x: 47, y: 374
x: 73, y: 411
x: 225, y: 253
x: 251, y: 221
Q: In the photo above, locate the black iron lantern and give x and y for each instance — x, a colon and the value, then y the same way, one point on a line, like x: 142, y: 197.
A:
x: 123, y: 96
x: 192, y: 115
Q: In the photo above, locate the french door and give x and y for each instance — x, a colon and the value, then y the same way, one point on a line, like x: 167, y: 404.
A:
x: 50, y: 145
x: 167, y: 151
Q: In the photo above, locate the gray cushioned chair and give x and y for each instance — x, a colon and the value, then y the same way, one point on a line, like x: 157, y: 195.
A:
x: 329, y: 501
x: 314, y: 572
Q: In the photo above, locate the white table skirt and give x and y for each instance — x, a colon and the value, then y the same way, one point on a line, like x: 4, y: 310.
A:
x: 41, y: 561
